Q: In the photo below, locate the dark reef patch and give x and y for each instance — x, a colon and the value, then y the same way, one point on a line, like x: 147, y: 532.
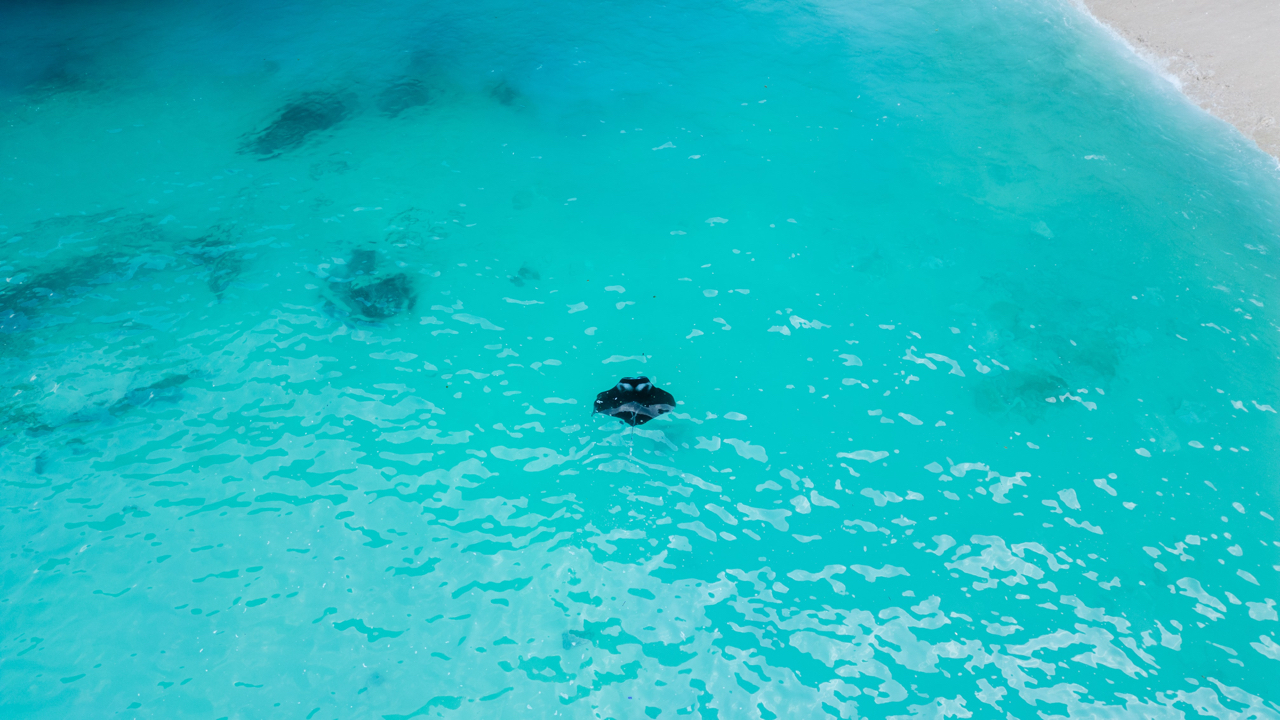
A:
x: 384, y: 298
x: 124, y: 238
x: 217, y: 253
x: 61, y: 262
x: 1017, y: 392
x: 523, y: 200
x: 12, y: 321
x: 330, y: 166
x: 505, y: 94
x: 298, y: 122
x: 64, y: 70
x: 403, y: 95
x: 574, y: 638
x: 368, y: 295
x: 66, y: 283
x: 16, y: 420
x: 223, y: 269
x: 523, y: 274
x: 363, y: 262
x: 405, y: 228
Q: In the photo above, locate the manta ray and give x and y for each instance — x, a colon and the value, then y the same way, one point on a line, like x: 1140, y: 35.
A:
x: 634, y: 401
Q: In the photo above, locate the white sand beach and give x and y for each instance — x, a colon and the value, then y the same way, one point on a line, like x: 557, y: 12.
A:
x: 1226, y: 53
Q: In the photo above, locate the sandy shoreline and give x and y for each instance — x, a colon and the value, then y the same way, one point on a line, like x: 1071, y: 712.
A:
x: 1226, y: 53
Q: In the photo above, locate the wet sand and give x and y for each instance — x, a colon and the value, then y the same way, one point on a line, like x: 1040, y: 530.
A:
x: 1225, y: 53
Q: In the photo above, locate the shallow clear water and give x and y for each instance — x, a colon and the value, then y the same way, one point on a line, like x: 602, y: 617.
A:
x: 305, y: 306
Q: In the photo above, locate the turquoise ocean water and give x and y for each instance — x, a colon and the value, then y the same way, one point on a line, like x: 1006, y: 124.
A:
x: 304, y: 307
